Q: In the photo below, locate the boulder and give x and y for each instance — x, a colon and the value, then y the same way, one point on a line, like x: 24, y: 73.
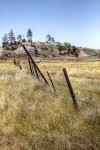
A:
x: 20, y: 50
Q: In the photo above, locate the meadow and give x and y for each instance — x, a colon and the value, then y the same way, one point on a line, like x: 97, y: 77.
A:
x: 33, y: 117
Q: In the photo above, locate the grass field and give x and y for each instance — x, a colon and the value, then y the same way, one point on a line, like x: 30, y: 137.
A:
x: 32, y: 117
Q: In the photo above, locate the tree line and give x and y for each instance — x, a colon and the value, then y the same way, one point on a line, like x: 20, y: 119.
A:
x: 11, y: 40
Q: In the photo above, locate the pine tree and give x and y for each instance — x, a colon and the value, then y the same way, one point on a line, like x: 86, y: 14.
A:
x: 19, y: 38
x: 48, y: 37
x: 11, y: 37
x: 29, y: 35
x: 4, y: 40
x: 53, y: 40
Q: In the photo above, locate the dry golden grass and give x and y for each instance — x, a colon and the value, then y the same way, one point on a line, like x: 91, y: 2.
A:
x: 32, y: 117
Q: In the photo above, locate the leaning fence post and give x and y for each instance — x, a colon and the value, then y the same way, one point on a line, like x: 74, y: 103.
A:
x: 35, y: 66
x: 15, y: 63
x: 30, y: 66
x: 51, y: 82
x: 36, y: 72
x: 34, y: 69
x: 70, y: 89
x: 20, y: 67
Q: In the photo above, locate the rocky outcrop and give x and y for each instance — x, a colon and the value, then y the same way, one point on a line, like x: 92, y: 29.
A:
x: 43, y: 50
x: 20, y: 50
x: 5, y: 54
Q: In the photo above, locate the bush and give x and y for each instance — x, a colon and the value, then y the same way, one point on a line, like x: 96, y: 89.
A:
x: 76, y: 54
x: 99, y: 54
x: 60, y: 47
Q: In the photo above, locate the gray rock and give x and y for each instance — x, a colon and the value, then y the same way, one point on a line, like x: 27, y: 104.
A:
x: 20, y: 50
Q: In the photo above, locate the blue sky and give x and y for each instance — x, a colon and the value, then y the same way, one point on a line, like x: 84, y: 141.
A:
x: 74, y: 21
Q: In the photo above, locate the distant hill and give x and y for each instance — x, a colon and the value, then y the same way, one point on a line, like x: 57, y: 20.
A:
x: 45, y: 50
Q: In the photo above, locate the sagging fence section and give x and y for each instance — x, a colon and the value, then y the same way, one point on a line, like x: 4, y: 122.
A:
x: 37, y: 73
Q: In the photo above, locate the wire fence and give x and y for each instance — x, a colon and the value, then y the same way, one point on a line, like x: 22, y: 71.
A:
x: 81, y: 87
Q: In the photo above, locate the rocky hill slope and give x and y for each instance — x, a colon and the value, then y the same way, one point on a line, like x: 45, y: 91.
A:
x: 46, y: 50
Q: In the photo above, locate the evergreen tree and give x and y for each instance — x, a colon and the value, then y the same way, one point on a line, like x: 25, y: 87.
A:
x: 48, y: 37
x: 11, y: 37
x: 29, y: 35
x: 53, y: 40
x: 19, y: 38
x: 4, y: 40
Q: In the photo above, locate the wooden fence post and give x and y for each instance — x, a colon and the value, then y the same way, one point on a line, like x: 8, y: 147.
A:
x: 15, y: 63
x: 51, y: 82
x: 30, y: 66
x: 34, y: 64
x: 20, y: 67
x: 32, y: 72
x: 71, y: 89
x: 36, y: 72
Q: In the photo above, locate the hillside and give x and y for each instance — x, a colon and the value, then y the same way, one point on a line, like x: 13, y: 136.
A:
x: 46, y: 50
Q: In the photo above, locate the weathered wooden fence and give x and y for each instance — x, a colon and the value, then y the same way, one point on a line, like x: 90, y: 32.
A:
x: 37, y: 73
